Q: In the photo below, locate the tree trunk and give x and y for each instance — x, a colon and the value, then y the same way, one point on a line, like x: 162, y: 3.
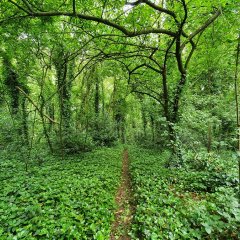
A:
x: 97, y: 97
x: 24, y: 121
x: 209, y: 142
x: 144, y: 120
x: 64, y: 70
x: 103, y: 98
x: 153, y: 128
x: 45, y: 130
x: 178, y: 93
x: 236, y: 84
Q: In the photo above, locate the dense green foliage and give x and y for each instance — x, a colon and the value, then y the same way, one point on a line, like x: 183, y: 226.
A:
x: 78, y: 76
x: 73, y: 199
x: 184, y: 203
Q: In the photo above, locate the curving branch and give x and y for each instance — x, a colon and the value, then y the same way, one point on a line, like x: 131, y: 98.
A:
x: 13, y: 18
x: 19, y: 7
x: 95, y: 19
x: 145, y: 65
x: 203, y: 27
x: 160, y: 9
x: 154, y: 6
x: 74, y: 6
x: 28, y: 5
x: 148, y: 94
x: 181, y: 68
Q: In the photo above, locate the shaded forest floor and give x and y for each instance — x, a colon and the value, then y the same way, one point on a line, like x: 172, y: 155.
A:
x: 114, y: 194
x: 195, y: 201
x: 59, y: 199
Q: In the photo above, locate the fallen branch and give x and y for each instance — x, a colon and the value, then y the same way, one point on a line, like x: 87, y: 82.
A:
x: 35, y: 105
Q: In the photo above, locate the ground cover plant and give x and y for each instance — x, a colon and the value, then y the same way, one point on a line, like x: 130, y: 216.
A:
x: 182, y: 203
x: 70, y: 199
x: 81, y: 78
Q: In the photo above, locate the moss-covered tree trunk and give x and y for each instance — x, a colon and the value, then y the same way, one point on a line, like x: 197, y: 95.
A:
x: 18, y: 102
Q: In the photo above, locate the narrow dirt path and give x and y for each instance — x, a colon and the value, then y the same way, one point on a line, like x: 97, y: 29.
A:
x: 124, y: 198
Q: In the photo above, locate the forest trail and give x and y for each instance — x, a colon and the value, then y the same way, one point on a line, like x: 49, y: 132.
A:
x: 124, y: 198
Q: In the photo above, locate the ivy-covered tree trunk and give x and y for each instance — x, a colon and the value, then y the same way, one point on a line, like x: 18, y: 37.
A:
x: 18, y: 103
x: 24, y: 120
x: 11, y: 82
x: 64, y: 70
x: 97, y: 96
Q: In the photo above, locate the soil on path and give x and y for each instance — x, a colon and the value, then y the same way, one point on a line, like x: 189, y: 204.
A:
x: 124, y: 198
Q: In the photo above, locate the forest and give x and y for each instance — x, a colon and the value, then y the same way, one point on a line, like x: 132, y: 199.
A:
x: 119, y: 119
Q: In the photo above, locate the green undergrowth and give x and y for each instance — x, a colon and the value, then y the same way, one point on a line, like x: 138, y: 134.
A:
x: 59, y: 199
x: 183, y: 203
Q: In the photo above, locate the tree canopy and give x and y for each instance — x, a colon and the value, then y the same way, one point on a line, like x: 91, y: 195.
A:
x: 162, y: 74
